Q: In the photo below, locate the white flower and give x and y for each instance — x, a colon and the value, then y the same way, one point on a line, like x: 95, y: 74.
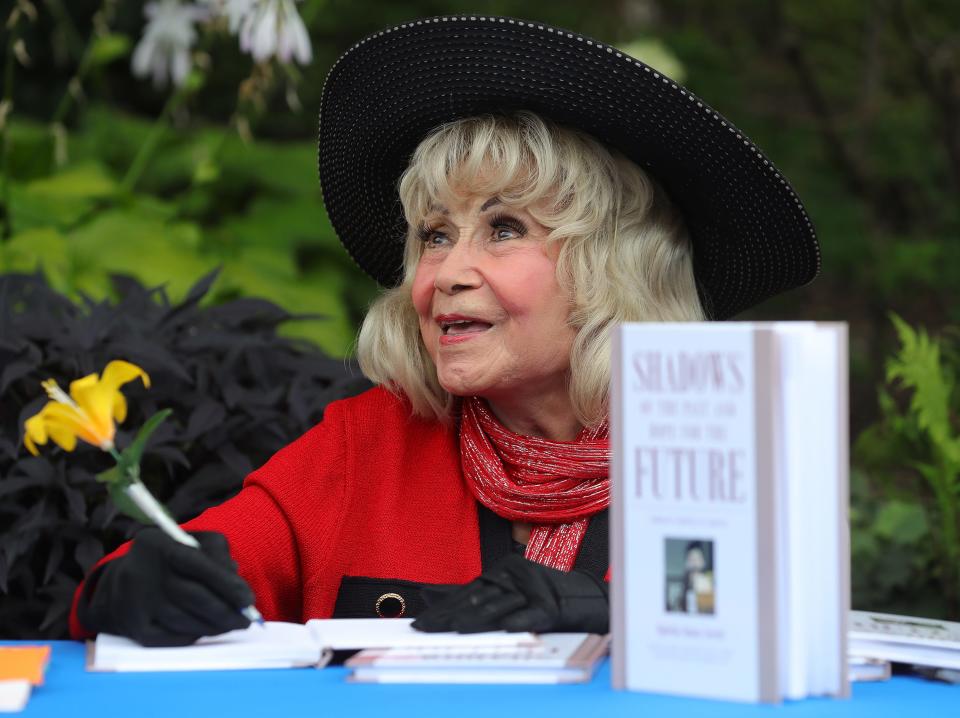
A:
x: 234, y: 10
x: 164, y: 49
x: 273, y: 27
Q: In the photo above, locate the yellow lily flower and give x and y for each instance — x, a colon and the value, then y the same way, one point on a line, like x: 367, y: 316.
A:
x: 88, y: 412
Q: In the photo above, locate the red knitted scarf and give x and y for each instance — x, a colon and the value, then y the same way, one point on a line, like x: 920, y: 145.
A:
x: 555, y: 485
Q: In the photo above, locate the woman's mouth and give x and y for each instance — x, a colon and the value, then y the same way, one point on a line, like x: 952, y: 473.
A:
x: 463, y: 326
x: 454, y: 329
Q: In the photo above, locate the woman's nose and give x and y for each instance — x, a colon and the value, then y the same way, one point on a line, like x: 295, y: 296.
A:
x: 458, y: 270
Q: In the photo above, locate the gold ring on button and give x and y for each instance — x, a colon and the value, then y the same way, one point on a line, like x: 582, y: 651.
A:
x: 396, y: 596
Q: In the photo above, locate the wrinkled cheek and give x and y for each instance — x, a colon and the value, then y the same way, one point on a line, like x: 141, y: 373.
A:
x: 421, y: 292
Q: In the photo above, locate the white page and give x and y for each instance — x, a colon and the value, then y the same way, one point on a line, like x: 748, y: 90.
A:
x: 14, y: 695
x: 789, y: 393
x: 272, y: 645
x: 826, y: 550
x: 284, y: 645
x: 360, y: 633
x: 795, y: 532
x: 812, y: 478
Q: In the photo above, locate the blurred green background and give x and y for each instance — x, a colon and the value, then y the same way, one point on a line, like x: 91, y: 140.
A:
x: 858, y: 102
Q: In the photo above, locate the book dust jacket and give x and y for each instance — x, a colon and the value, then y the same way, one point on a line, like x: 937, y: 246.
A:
x: 693, y: 527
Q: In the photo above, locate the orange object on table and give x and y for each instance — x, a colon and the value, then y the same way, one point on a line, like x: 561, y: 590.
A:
x: 24, y: 663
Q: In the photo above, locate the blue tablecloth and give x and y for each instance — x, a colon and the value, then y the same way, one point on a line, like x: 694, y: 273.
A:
x: 70, y: 691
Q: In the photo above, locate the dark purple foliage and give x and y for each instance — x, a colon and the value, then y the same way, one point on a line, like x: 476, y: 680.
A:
x: 238, y: 392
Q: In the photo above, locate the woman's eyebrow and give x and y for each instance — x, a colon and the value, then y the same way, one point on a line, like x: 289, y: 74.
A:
x: 483, y: 208
x: 489, y: 203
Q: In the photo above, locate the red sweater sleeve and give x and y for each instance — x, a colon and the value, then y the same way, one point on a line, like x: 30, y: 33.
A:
x: 257, y: 525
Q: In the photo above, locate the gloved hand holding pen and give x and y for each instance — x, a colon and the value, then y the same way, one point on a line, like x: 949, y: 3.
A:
x: 164, y: 593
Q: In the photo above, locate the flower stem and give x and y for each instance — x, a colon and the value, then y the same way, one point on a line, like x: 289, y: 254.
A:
x: 149, y: 146
x: 145, y: 501
x: 100, y: 25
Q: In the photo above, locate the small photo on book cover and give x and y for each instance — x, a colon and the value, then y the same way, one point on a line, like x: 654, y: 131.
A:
x: 690, y: 580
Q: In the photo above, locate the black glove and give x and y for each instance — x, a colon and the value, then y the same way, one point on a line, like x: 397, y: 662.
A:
x: 162, y: 593
x: 519, y: 595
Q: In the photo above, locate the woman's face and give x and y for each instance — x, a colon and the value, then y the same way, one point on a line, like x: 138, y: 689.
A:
x: 695, y: 561
x: 492, y: 315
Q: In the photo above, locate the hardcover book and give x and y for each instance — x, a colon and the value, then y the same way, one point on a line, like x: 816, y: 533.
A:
x: 905, y: 639
x: 730, y: 548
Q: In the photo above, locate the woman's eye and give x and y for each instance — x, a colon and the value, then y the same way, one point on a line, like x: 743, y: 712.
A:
x: 432, y: 237
x: 507, y: 228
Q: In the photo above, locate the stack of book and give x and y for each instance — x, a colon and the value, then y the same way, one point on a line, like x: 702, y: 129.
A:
x: 390, y: 651
x: 930, y: 647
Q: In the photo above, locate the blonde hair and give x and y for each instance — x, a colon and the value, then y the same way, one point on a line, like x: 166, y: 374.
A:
x: 613, y: 222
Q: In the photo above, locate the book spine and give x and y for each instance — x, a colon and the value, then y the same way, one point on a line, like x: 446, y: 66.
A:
x: 768, y: 657
x: 618, y: 505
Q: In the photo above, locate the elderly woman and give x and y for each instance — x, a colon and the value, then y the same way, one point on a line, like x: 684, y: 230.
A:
x: 549, y: 188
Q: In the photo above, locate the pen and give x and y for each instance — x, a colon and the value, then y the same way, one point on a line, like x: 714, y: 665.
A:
x: 145, y: 501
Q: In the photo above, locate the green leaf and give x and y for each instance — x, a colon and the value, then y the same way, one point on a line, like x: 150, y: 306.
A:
x: 39, y: 248
x: 112, y: 476
x: 304, y: 223
x: 194, y: 81
x: 901, y: 522
x: 108, y: 48
x: 29, y: 150
x: 262, y: 272
x: 917, y: 366
x: 130, y: 457
x: 898, y: 569
x: 60, y: 200
x: 138, y: 241
x: 657, y: 55
x: 206, y: 171
x: 88, y: 181
x: 125, y: 504
x: 282, y: 168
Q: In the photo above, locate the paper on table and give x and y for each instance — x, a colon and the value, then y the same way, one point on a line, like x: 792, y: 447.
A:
x: 272, y: 645
x: 358, y: 633
x: 24, y: 663
x: 283, y: 645
x: 14, y: 695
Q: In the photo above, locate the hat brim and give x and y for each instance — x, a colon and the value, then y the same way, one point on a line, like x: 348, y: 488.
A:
x: 751, y: 236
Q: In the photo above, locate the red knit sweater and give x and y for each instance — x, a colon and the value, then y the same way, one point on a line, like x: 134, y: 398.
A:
x: 370, y: 491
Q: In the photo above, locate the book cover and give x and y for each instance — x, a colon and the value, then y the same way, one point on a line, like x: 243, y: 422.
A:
x: 693, y: 591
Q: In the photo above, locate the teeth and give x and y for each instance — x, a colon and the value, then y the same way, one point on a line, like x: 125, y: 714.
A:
x: 447, y: 326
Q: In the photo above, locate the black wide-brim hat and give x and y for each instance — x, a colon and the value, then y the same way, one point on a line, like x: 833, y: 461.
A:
x: 751, y: 235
